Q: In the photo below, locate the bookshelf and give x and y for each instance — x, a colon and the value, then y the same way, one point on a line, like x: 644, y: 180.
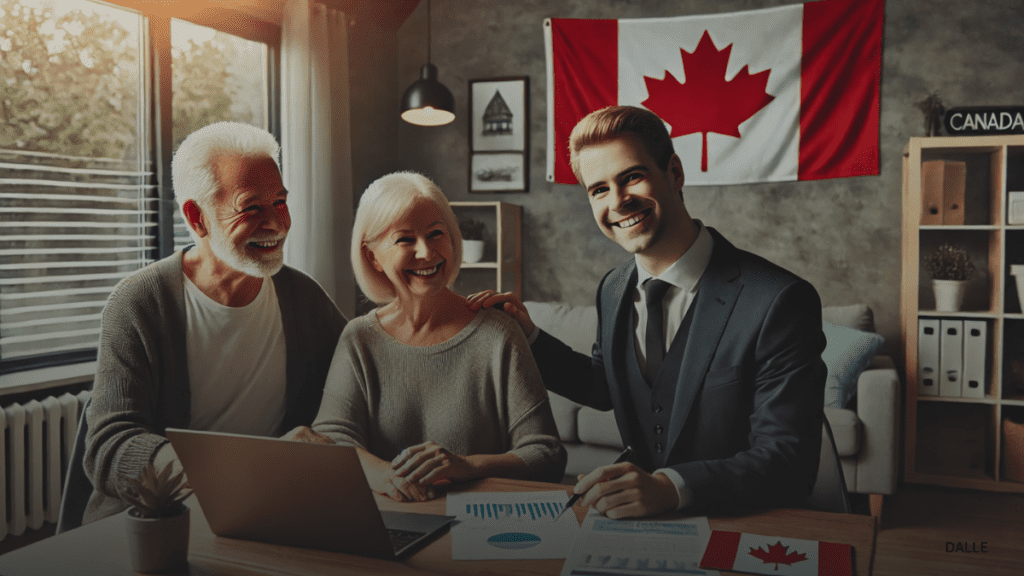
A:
x: 501, y: 267
x: 959, y: 442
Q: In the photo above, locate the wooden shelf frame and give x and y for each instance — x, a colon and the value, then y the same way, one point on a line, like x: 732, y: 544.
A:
x: 1003, y: 155
x: 505, y: 221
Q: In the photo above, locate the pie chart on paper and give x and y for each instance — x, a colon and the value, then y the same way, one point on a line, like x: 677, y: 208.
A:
x: 513, y: 540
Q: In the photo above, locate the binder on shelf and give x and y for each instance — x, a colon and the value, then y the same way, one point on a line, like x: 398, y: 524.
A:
x: 1015, y: 208
x: 928, y: 357
x: 975, y: 336
x: 931, y: 192
x: 951, y: 357
x: 943, y: 184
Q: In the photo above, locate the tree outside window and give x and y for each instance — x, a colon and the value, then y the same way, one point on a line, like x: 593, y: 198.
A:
x: 78, y: 192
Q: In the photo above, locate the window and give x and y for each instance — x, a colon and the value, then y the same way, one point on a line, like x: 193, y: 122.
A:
x: 81, y: 206
x: 78, y: 202
x: 216, y: 77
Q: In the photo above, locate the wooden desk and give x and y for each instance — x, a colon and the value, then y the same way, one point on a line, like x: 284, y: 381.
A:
x: 101, y: 547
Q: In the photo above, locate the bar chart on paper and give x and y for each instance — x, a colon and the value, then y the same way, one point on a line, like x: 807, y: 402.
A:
x: 639, y: 547
x: 517, y: 511
x: 510, y: 525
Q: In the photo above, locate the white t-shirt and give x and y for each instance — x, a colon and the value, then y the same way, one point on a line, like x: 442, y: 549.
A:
x: 236, y: 363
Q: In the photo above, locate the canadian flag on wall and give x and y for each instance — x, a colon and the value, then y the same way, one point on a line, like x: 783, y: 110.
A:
x: 779, y: 94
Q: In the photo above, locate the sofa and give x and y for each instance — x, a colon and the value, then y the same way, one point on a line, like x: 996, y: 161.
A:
x: 865, y: 426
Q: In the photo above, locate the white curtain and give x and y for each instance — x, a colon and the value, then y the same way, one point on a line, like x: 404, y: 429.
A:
x: 316, y: 146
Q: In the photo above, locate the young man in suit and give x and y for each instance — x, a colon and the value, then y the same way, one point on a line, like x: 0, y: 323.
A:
x: 710, y: 356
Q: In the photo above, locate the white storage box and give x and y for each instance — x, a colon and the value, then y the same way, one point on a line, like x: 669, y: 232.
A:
x: 1017, y: 270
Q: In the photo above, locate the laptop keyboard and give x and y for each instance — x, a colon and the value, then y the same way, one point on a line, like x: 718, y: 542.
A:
x: 402, y: 538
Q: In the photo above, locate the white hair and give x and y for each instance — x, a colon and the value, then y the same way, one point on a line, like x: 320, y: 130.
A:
x: 192, y: 167
x: 387, y: 200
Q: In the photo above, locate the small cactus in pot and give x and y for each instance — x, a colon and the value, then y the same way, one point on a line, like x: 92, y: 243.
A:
x: 158, y: 520
x: 158, y: 495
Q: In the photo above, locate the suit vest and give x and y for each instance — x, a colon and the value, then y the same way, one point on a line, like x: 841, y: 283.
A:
x: 651, y: 404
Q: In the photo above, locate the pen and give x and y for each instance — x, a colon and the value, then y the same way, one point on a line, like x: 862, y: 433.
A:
x: 575, y: 497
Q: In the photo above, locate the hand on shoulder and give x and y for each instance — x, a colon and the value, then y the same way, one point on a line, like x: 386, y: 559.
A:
x: 506, y: 302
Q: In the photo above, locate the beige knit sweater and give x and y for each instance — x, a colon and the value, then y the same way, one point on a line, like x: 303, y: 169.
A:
x: 479, y: 392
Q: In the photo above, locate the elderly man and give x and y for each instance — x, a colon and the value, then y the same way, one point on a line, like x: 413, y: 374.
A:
x: 219, y: 336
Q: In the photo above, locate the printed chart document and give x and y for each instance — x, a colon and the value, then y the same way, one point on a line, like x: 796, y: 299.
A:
x: 607, y: 547
x: 510, y: 525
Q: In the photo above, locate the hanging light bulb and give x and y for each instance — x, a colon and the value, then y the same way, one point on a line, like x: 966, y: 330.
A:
x: 427, y: 102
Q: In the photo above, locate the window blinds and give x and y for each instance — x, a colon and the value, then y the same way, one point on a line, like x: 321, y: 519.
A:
x: 181, y: 235
x: 70, y: 229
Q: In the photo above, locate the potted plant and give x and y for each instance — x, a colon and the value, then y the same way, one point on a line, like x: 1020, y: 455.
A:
x: 158, y: 520
x: 950, y: 267
x: 472, y: 239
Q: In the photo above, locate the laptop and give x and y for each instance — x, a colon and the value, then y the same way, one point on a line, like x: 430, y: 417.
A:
x: 294, y: 493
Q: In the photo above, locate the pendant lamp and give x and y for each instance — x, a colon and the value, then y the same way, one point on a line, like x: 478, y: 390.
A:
x: 428, y: 102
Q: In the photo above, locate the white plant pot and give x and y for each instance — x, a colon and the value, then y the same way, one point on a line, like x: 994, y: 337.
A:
x: 949, y: 294
x: 472, y: 251
x: 158, y: 544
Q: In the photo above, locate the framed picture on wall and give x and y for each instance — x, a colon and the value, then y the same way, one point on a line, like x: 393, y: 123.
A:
x: 497, y: 172
x: 499, y: 134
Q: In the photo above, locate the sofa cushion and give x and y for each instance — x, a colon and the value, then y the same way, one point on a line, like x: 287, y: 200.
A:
x: 564, y: 411
x: 576, y: 326
x: 858, y: 316
x: 584, y: 458
x: 845, y: 430
x: 598, y: 427
x: 848, y: 352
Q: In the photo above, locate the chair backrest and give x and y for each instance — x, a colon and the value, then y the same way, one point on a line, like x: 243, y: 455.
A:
x: 829, y: 493
x: 77, y: 487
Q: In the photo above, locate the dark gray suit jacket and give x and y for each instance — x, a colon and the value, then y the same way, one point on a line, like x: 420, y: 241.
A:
x: 747, y: 416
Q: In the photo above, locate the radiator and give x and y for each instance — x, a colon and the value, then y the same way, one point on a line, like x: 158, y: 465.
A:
x: 37, y: 438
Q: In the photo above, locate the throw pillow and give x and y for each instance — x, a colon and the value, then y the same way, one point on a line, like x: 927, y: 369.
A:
x: 857, y: 316
x: 847, y: 354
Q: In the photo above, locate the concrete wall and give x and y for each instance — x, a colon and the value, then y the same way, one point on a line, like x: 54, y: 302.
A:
x: 374, y: 98
x: 842, y: 235
x: 375, y: 91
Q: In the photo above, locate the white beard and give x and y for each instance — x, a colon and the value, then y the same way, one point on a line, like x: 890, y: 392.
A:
x: 235, y: 256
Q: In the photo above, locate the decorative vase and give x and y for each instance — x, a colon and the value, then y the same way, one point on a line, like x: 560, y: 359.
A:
x: 949, y: 294
x: 472, y: 251
x: 158, y: 544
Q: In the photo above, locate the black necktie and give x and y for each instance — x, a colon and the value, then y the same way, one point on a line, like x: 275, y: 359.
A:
x: 655, y: 340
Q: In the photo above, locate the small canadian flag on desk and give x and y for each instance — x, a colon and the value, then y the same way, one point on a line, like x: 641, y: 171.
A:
x: 742, y: 552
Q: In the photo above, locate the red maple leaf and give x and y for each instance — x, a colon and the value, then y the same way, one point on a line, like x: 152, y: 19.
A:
x: 776, y: 554
x: 707, y: 102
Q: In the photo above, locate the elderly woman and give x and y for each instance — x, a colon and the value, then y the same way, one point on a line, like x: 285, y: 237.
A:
x: 424, y: 388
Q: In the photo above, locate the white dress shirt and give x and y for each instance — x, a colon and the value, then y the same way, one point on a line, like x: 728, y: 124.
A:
x: 684, y: 275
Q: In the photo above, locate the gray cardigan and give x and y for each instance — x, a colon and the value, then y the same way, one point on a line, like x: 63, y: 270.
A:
x: 142, y: 386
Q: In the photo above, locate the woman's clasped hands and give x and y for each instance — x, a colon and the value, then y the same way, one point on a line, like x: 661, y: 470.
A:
x: 417, y: 468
